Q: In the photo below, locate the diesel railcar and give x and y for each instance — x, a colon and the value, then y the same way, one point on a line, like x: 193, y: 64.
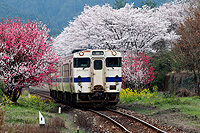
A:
x: 89, y: 78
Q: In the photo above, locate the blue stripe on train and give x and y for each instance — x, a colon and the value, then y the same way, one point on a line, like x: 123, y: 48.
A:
x: 113, y: 79
x: 84, y: 79
x: 108, y: 79
x: 88, y: 79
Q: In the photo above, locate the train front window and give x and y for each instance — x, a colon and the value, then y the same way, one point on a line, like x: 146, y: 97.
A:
x: 98, y: 64
x: 113, y: 62
x: 81, y: 62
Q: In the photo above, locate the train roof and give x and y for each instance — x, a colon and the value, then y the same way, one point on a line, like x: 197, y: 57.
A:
x: 77, y: 50
x: 83, y: 53
x: 97, y: 53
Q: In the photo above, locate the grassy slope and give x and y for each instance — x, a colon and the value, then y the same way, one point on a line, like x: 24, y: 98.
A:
x: 179, y: 111
x: 25, y: 117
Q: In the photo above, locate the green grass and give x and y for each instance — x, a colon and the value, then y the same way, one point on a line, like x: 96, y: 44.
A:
x: 186, y: 105
x: 152, y: 103
x: 25, y: 114
x: 34, y: 102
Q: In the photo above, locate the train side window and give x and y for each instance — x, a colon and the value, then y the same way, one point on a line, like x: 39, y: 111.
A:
x: 98, y: 64
x: 1, y: 73
x: 59, y: 70
x: 113, y: 62
x: 81, y: 62
x: 70, y: 69
x: 66, y: 70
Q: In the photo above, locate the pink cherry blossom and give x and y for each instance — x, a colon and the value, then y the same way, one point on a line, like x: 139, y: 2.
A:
x: 136, y: 70
x: 26, y: 55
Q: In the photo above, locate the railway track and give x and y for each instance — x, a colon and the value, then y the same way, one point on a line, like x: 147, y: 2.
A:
x: 42, y: 93
x: 113, y: 120
x: 126, y: 122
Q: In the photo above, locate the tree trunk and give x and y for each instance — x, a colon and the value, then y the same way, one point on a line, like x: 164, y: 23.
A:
x: 198, y: 88
x: 16, y: 94
x: 197, y: 81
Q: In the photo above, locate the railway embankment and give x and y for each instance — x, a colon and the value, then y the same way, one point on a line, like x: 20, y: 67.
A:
x: 175, y: 113
x: 23, y: 116
x: 170, y: 109
x: 182, y: 113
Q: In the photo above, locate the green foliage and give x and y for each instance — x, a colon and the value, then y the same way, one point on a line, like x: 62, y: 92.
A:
x: 9, y: 10
x: 1, y: 89
x: 149, y: 3
x: 148, y: 97
x: 55, y: 13
x: 19, y: 115
x: 170, y: 100
x: 26, y: 109
x: 23, y: 117
x: 161, y: 61
x: 160, y: 103
x: 186, y: 105
x: 119, y: 4
x: 4, y: 100
x: 177, y: 64
x: 35, y: 102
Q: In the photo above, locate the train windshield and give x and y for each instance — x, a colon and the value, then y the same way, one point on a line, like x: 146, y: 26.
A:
x: 113, y: 62
x: 81, y: 62
x: 98, y: 64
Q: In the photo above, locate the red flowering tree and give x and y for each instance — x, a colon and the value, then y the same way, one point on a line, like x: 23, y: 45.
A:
x: 26, y: 56
x: 136, y: 70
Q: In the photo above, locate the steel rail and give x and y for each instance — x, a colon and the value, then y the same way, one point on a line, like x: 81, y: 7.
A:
x: 107, y: 117
x: 144, y: 122
x: 41, y: 93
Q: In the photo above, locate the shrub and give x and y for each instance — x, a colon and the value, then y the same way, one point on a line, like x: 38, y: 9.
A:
x: 132, y: 95
x: 36, y: 102
x: 1, y: 89
x: 162, y: 63
x: 56, y: 122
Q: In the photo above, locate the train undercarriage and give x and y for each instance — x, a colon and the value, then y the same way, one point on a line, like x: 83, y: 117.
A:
x: 96, y: 99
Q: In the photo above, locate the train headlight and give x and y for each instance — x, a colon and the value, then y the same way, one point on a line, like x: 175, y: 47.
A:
x: 81, y: 53
x: 114, y: 53
x: 116, y: 79
x: 112, y: 87
x: 79, y: 81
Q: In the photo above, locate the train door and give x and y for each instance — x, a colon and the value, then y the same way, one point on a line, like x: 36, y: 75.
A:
x: 98, y: 77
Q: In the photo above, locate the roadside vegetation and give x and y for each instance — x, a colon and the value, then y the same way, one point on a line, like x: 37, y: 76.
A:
x: 162, y: 40
x: 151, y: 102
x: 23, y: 116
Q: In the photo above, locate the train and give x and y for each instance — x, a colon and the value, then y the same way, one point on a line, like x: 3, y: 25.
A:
x: 88, y: 78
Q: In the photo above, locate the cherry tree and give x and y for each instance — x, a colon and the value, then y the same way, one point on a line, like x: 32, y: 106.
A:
x: 26, y: 55
x: 126, y: 28
x: 136, y: 70
x: 173, y: 12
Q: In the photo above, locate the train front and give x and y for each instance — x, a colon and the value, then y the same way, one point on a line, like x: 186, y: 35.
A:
x: 97, y: 77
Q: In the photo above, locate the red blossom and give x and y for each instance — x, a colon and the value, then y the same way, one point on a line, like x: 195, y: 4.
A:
x: 136, y: 70
x: 26, y: 54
